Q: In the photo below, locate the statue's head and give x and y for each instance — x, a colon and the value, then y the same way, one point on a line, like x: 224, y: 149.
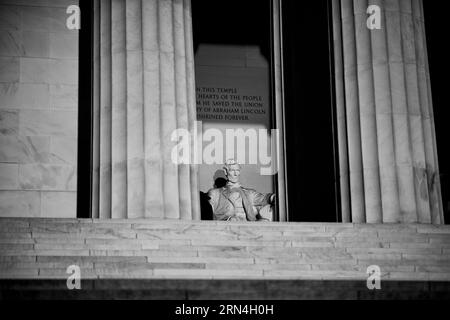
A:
x: 232, y: 170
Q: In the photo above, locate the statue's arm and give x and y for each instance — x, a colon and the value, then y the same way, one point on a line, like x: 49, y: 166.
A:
x: 217, y: 208
x: 213, y: 195
x: 262, y: 199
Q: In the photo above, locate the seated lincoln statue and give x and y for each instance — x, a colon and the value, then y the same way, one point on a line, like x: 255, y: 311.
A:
x: 236, y: 203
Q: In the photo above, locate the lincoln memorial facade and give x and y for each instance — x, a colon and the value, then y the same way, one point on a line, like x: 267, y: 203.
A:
x: 125, y: 126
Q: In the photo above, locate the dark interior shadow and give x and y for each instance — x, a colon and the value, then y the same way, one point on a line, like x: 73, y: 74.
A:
x: 220, y: 180
x: 206, y: 212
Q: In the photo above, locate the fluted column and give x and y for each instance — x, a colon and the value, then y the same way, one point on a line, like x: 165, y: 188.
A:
x: 144, y: 89
x: 341, y: 115
x: 386, y: 134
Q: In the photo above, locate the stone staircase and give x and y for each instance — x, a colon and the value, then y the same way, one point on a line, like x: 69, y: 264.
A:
x: 34, y: 248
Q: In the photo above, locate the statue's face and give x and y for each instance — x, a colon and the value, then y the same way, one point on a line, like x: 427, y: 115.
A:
x: 233, y: 173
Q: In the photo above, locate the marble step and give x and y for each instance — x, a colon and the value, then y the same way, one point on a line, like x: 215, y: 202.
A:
x: 86, y: 225
x: 181, y: 273
x: 225, y: 236
x: 44, y: 248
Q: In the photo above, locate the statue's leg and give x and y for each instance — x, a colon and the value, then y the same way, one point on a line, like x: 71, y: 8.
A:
x: 266, y: 213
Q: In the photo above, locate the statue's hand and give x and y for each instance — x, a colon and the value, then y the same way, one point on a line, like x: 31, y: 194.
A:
x: 272, y: 199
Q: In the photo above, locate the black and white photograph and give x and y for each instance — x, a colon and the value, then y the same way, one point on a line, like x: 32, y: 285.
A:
x: 224, y: 157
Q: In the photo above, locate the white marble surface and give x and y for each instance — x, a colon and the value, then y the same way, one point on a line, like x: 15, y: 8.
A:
x: 36, y: 18
x: 48, y: 123
x: 34, y: 70
x: 9, y: 122
x: 40, y: 3
x: 63, y: 45
x: 9, y: 69
x: 63, y: 71
x: 58, y: 19
x: 38, y: 108
x: 10, y: 17
x: 38, y: 149
x: 35, y: 44
x: 11, y: 43
x: 22, y: 149
x: 63, y: 150
x: 64, y: 96
x: 9, y: 176
x: 24, y: 95
x: 47, y: 177
x: 20, y: 204
x: 58, y: 204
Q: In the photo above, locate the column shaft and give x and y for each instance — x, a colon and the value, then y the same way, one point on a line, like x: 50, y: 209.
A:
x: 385, y: 133
x: 96, y: 115
x: 118, y: 110
x: 340, y: 113
x: 191, y: 106
x: 135, y: 110
x: 105, y: 110
x: 388, y: 107
x: 147, y: 91
x: 352, y: 112
x: 402, y: 140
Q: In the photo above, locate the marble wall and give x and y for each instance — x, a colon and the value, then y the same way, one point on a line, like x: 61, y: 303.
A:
x: 38, y: 109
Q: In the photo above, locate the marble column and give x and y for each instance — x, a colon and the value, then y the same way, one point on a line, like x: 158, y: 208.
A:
x: 144, y: 89
x: 341, y: 115
x: 387, y: 145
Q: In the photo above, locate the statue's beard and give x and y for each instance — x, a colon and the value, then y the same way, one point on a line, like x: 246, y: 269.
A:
x: 233, y: 184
